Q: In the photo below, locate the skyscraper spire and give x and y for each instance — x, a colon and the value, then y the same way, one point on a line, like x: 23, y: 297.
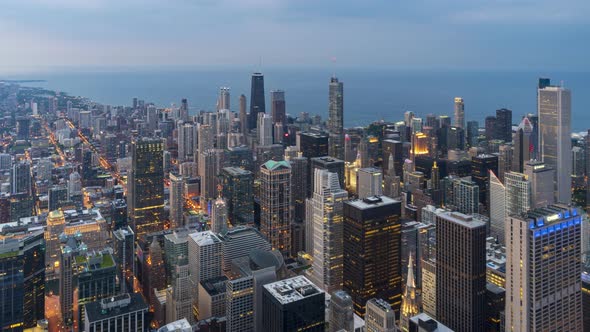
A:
x: 410, y: 305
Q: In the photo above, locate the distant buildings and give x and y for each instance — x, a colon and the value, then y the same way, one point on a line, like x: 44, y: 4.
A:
x: 257, y: 99
x: 459, y: 113
x: 336, y: 119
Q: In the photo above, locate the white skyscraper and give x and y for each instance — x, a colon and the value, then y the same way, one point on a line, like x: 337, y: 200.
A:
x: 459, y: 112
x: 204, y: 259
x: 369, y: 182
x: 178, y: 296
x: 497, y: 207
x: 555, y: 143
x: 265, y: 126
x: 218, y: 215
x: 187, y: 141
x: 325, y: 230
x: 223, y: 101
x: 176, y: 200
x: 379, y: 317
x: 543, y: 268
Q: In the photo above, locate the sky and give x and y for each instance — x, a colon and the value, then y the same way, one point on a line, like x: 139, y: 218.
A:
x: 442, y: 34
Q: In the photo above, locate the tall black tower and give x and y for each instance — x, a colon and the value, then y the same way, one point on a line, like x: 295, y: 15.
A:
x: 257, y: 104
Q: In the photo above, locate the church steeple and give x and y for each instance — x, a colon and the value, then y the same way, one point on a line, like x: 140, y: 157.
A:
x: 410, y: 304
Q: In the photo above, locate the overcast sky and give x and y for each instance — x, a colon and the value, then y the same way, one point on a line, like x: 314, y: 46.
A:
x: 473, y: 34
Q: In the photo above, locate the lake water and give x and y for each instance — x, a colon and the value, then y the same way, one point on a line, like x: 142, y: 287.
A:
x: 369, y: 94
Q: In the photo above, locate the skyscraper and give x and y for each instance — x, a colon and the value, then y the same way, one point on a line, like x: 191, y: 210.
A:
x: 336, y: 119
x: 380, y: 317
x: 146, y: 186
x: 369, y: 182
x: 223, y: 101
x: 187, y: 142
x: 277, y: 105
x: 541, y: 177
x: 294, y: 304
x: 341, y: 312
x: 497, y: 207
x: 264, y: 128
x: 372, y: 233
x: 554, y: 137
x: 504, y: 125
x: 523, y: 145
x: 243, y: 115
x: 325, y: 230
x: 237, y: 187
x: 257, y: 102
x: 21, y: 178
x: 543, y: 268
x: 480, y: 167
x: 472, y: 133
x: 204, y: 261
x: 459, y: 113
x: 176, y: 201
x: 460, y: 271
x: 275, y: 204
x: 219, y: 215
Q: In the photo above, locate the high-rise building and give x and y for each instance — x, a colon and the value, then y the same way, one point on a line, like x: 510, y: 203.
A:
x: 204, y: 260
x: 223, y: 100
x: 176, y: 200
x: 210, y: 162
x: 21, y: 178
x: 459, y: 113
x: 58, y: 195
x: 369, y: 182
x: 336, y: 119
x: 460, y: 271
x: 330, y: 164
x: 22, y: 282
x: 299, y: 184
x: 523, y: 145
x: 265, y: 124
x: 218, y: 215
x: 490, y: 127
x: 237, y: 189
x: 277, y: 105
x: 543, y: 269
x: 294, y: 304
x: 153, y: 272
x: 465, y: 195
x: 56, y: 225
x: 554, y: 137
x: 504, y: 125
x: 341, y: 312
x: 481, y: 165
x: 187, y: 142
x: 380, y: 317
x: 541, y: 177
x: 257, y: 102
x: 324, y: 230
x: 239, y: 242
x: 124, y: 253
x: 126, y: 312
x: 275, y: 204
x: 178, y: 296
x: 146, y: 186
x: 205, y: 141
x: 497, y: 207
x: 243, y: 115
x: 372, y: 233
x: 312, y: 144
x: 472, y: 133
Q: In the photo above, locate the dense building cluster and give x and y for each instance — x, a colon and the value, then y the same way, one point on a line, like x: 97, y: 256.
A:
x: 142, y: 218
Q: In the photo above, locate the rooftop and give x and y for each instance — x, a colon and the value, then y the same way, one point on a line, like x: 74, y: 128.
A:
x: 371, y: 202
x: 464, y: 220
x: 205, y: 238
x: 273, y: 165
x: 115, y: 306
x: 293, y: 289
